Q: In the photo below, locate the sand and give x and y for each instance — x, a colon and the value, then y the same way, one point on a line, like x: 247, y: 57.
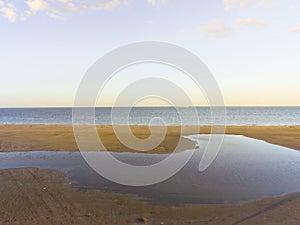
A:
x: 61, y: 138
x: 38, y: 196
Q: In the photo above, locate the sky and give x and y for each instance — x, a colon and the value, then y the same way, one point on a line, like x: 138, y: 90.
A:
x: 252, y: 47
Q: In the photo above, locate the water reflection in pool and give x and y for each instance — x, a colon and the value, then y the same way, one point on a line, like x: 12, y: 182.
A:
x: 245, y: 169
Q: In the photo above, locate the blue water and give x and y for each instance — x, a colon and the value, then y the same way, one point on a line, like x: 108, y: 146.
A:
x: 142, y: 115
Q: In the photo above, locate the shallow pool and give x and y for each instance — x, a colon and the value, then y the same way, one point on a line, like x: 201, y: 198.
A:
x: 245, y: 169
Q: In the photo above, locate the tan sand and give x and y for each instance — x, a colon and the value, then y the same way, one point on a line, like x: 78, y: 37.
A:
x: 61, y: 138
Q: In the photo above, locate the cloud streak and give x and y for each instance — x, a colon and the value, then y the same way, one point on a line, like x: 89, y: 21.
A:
x: 216, y: 30
x: 250, y: 22
x: 157, y: 2
x: 110, y: 5
x: 231, y: 4
x: 61, y: 8
x: 294, y: 29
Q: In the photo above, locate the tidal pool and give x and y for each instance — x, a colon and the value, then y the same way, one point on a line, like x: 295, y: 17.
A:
x: 245, y: 169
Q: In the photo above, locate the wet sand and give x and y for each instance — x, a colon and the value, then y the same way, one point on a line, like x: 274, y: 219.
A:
x: 38, y: 196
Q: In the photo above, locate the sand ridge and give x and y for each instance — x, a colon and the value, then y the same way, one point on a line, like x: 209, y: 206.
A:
x: 61, y: 138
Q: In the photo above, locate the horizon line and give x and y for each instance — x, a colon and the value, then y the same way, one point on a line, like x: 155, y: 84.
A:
x: 154, y: 106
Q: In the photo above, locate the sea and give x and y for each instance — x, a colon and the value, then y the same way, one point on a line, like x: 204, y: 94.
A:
x: 241, y: 116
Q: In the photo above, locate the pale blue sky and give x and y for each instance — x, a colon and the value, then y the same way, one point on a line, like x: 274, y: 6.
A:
x: 251, y: 46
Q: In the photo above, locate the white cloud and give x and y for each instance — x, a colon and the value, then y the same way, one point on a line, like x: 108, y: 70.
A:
x: 64, y: 1
x: 229, y: 4
x: 36, y: 5
x: 182, y: 33
x: 263, y: 4
x: 250, y: 22
x: 9, y: 11
x: 110, y: 5
x: 71, y: 7
x: 294, y: 29
x: 292, y: 8
x: 217, y: 30
x: 157, y: 2
x: 67, y: 8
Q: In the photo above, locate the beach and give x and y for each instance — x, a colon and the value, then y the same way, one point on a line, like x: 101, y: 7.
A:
x: 42, y: 196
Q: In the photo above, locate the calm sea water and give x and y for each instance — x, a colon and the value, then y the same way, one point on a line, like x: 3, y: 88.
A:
x: 143, y: 115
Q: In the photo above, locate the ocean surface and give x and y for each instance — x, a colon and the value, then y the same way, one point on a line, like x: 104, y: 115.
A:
x: 243, y: 116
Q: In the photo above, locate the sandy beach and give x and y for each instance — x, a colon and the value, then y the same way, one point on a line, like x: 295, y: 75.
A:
x: 39, y: 196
